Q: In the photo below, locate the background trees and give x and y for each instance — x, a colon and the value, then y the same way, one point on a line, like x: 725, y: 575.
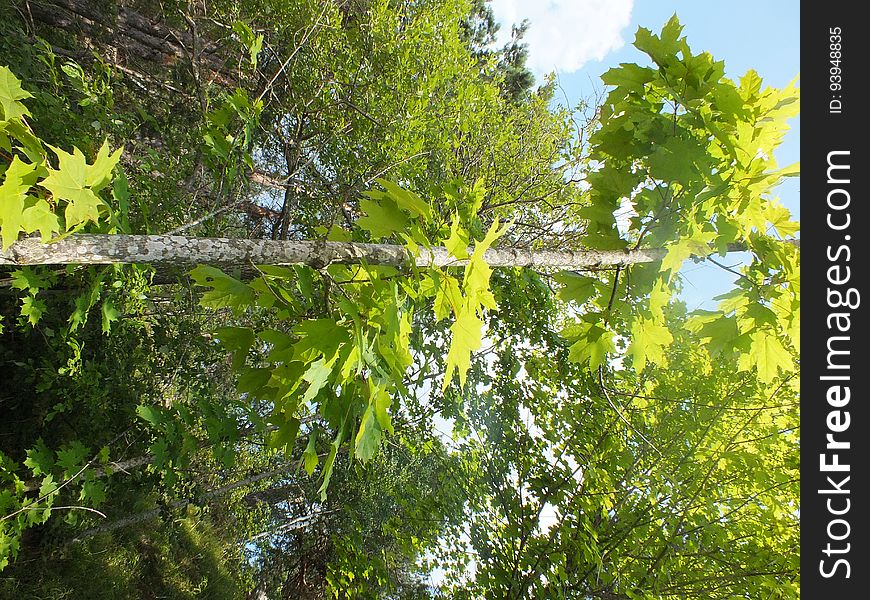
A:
x: 201, y: 407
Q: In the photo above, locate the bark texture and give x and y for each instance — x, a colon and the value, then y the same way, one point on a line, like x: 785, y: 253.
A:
x: 176, y: 250
x: 131, y: 39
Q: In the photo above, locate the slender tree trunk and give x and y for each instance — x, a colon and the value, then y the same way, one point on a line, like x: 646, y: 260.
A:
x: 176, y: 250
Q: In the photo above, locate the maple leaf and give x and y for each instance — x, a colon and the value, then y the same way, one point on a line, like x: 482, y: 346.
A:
x: 10, y: 94
x: 467, y: 338
x: 13, y: 191
x: 77, y: 182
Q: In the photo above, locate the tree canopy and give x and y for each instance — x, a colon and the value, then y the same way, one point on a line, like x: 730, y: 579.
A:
x: 352, y: 427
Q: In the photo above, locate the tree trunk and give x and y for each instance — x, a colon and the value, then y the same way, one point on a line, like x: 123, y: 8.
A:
x: 176, y: 250
x: 129, y: 39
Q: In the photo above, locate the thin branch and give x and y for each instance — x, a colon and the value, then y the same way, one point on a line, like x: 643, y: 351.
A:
x: 292, y: 54
x: 619, y: 412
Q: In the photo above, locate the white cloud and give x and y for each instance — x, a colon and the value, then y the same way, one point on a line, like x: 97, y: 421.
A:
x: 565, y: 34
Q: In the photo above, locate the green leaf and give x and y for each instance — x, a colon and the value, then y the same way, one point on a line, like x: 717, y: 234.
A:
x: 309, y: 456
x: 252, y: 381
x: 684, y: 248
x: 38, y: 216
x: 285, y: 435
x: 575, y: 287
x: 732, y: 300
x: 109, y: 315
x: 593, y: 345
x: 99, y: 174
x: 73, y: 181
x: 407, y: 200
x: 30, y: 281
x: 93, y: 492
x: 466, y: 338
x: 750, y: 84
x: 648, y: 343
x: 756, y: 315
x: 392, y: 343
x: 629, y: 76
x: 330, y: 459
x: 10, y: 94
x: 368, y: 438
x: 253, y: 42
x: 40, y: 460
x: 84, y: 302
x: 658, y: 299
x: 448, y: 298
x: 457, y: 243
x: 793, y: 331
x: 727, y: 99
x: 382, y: 401
x: 675, y: 161
x: 159, y: 449
x: 383, y: 218
x: 604, y: 239
x: 716, y: 330
x: 328, y: 466
x: 286, y: 378
x: 30, y: 144
x: 319, y: 336
x: 793, y: 170
x: 780, y: 217
x: 662, y: 49
x: 304, y: 280
x: 598, y: 213
x: 475, y: 283
x: 768, y: 355
x: 72, y: 457
x: 12, y: 194
x: 226, y: 292
x: 33, y: 308
x: 151, y: 414
x: 121, y: 195
x: 727, y: 232
x: 237, y: 340
x: 48, y: 486
x: 317, y: 377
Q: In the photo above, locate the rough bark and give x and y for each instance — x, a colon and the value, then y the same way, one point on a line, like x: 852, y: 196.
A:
x: 176, y: 250
x: 127, y: 37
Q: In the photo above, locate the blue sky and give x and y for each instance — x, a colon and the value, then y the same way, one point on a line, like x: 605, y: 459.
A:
x: 581, y: 39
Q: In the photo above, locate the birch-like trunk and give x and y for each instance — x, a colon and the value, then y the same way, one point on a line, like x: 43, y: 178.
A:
x: 183, y: 251
x: 175, y: 250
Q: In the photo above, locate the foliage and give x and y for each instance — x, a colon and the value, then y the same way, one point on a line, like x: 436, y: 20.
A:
x: 70, y: 198
x: 349, y: 363
x: 506, y: 65
x: 635, y: 168
x: 693, y: 154
x: 36, y: 196
x: 183, y: 559
x: 603, y: 443
x: 571, y: 502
